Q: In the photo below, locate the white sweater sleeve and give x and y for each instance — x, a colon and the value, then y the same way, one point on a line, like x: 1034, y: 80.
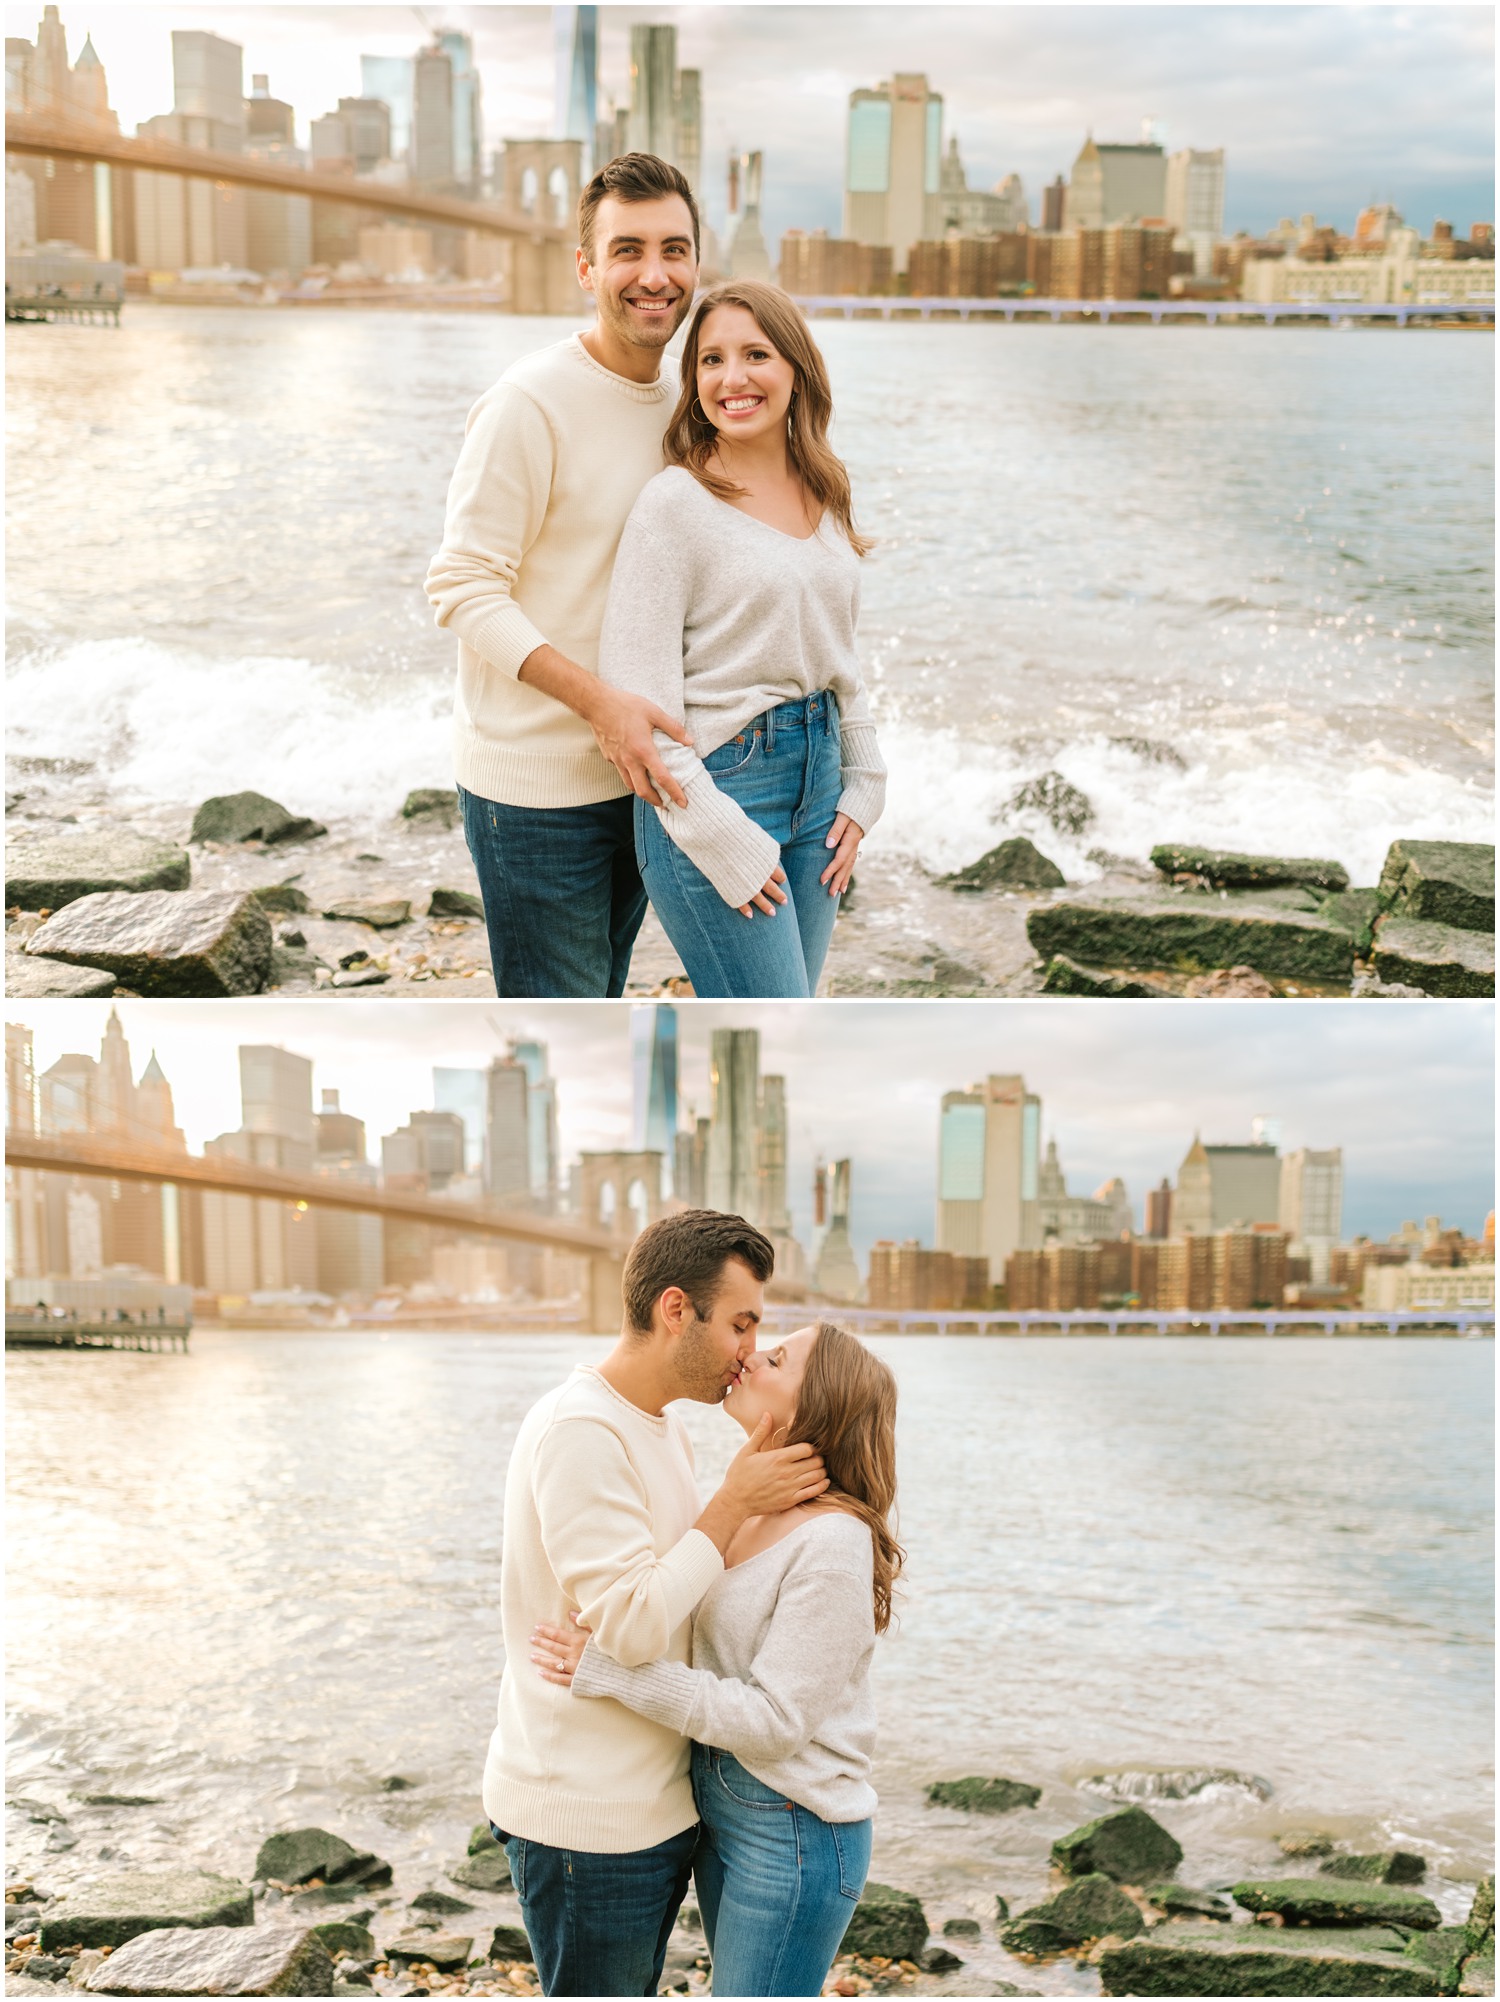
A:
x: 821, y: 1628
x: 595, y: 1521
x: 497, y: 501
x: 640, y: 649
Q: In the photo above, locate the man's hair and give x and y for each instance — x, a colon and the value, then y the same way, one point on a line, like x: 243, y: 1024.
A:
x: 633, y: 177
x: 690, y: 1250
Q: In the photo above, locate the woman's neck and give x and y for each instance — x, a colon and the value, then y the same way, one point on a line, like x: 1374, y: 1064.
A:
x: 755, y: 461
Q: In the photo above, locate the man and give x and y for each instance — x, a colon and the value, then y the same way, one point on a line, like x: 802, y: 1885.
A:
x: 547, y: 757
x: 602, y: 1518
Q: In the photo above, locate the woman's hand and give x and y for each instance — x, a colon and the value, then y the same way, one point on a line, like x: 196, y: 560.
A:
x: 556, y: 1653
x: 762, y: 900
x: 844, y: 838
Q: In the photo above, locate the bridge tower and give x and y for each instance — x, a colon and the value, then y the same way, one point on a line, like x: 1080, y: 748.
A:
x: 543, y: 178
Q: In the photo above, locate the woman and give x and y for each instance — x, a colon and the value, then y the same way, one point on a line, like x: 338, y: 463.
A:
x: 777, y: 1699
x: 733, y: 605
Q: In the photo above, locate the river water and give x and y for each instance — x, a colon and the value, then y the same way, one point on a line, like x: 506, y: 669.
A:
x: 1234, y: 584
x: 256, y: 1580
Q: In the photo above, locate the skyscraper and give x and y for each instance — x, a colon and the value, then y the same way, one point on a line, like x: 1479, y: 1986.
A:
x: 575, y: 107
x: 1115, y: 184
x: 653, y: 89
x: 988, y: 1170
x: 507, y: 1133
x: 688, y: 140
x: 1195, y: 192
x: 467, y: 111
x: 748, y: 256
x: 734, y: 1078
x: 463, y: 1092
x: 771, y: 1213
x: 392, y: 79
x: 1312, y: 1203
x: 1220, y: 1186
x: 541, y: 1121
x: 432, y: 126
x: 653, y: 1075
x: 837, y: 1271
x: 893, y: 165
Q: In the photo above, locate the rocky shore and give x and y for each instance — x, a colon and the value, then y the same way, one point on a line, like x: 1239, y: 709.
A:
x: 314, y: 1915
x: 254, y: 898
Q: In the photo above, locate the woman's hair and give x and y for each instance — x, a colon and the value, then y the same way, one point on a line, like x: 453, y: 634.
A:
x: 691, y: 439
x: 846, y: 1409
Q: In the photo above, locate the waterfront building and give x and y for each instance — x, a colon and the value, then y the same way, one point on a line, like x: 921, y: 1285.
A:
x: 267, y: 117
x: 1113, y: 261
x: 690, y: 1164
x: 351, y: 1247
x: 907, y: 1278
x: 427, y: 1153
x: 1407, y: 1288
x: 1194, y: 192
x: 968, y: 267
x: 733, y: 1136
x: 1076, y: 1219
x: 432, y: 122
x: 1159, y: 1210
x: 507, y: 1132
x: 73, y: 199
x: 393, y: 250
x: 467, y: 111
x: 1312, y: 1204
x: 893, y: 165
x: 1054, y: 204
x: 836, y: 1272
x: 1398, y: 275
x: 258, y: 1243
x: 988, y: 1164
x: 1115, y: 184
x: 391, y: 79
x: 1220, y: 1186
x: 688, y: 128
x: 278, y: 228
x: 575, y: 102
x: 746, y: 247
x: 653, y: 89
x: 182, y: 224
x: 654, y: 1078
x: 541, y: 1122
x: 974, y: 211
x: 817, y: 265
x: 464, y: 1092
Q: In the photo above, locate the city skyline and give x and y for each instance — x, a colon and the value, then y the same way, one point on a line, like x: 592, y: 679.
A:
x: 1419, y: 1144
x: 1418, y: 131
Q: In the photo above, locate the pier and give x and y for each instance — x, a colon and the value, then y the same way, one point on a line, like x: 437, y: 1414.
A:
x: 41, y: 308
x: 1473, y: 1322
x: 28, y: 1329
x: 1334, y: 313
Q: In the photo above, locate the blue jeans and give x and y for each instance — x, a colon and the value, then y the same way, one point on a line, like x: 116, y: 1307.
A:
x: 777, y: 1887
x: 562, y: 895
x: 783, y: 769
x: 598, y: 1924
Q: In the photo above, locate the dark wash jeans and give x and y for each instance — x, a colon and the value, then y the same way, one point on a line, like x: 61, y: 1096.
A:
x: 563, y: 897
x: 599, y: 1925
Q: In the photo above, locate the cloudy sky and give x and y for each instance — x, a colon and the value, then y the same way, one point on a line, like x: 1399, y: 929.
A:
x: 1318, y: 107
x: 1406, y: 1089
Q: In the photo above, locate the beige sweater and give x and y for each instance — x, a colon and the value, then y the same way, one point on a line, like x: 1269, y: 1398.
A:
x: 552, y: 460
x: 600, y: 1503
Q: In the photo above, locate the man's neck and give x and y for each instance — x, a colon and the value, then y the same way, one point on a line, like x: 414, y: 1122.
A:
x: 631, y: 1369
x: 621, y: 357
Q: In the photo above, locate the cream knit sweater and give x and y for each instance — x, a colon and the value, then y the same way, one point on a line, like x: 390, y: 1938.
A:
x: 552, y: 460
x: 600, y: 1503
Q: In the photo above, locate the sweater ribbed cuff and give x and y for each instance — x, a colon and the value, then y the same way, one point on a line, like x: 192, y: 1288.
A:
x: 502, y: 636
x: 652, y: 1690
x: 722, y: 842
x: 863, y: 799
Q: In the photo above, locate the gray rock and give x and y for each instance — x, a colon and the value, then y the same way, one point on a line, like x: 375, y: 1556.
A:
x: 454, y: 904
x: 21, y: 1919
x: 1325, y: 1901
x: 1129, y: 1846
x: 887, y: 1922
x: 438, y: 1901
x: 1444, y: 882
x: 193, y: 942
x: 1439, y: 959
x: 1069, y: 810
x: 366, y: 975
x: 438, y: 803
x: 1305, y: 1842
x: 119, y: 1799
x: 43, y: 872
x: 1192, y: 932
x: 60, y: 1837
x: 303, y: 1853
x: 1391, y: 1866
x: 1179, y: 1901
x: 1226, y: 869
x: 35, y: 1810
x: 343, y: 1936
x: 510, y: 1943
x: 1071, y: 976
x: 218, y: 1960
x: 489, y: 1871
x: 983, y: 1796
x: 381, y: 916
x: 1480, y: 1924
x: 443, y: 1951
x: 1017, y: 864
x: 84, y: 1965
x: 1356, y: 911
x: 114, y: 1909
x: 1251, y: 1960
x: 938, y: 1960
x: 1093, y: 1907
x: 284, y: 897
x: 396, y: 1783
x: 1479, y: 1972
x: 43, y: 1967
x: 964, y: 1928
x: 321, y: 1896
x: 250, y: 816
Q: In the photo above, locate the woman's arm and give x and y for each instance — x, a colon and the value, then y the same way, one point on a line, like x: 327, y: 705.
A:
x: 640, y: 649
x: 862, y: 767
x: 821, y: 1630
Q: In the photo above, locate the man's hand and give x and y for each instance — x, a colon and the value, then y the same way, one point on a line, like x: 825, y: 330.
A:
x: 623, y: 724
x: 762, y: 1480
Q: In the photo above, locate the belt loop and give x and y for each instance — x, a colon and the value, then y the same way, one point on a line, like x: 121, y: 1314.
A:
x: 770, y: 731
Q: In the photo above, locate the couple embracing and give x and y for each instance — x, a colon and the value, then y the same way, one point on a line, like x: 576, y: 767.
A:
x: 655, y: 592
x: 686, y: 1686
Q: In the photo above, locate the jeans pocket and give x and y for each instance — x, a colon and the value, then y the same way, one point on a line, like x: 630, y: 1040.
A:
x: 744, y: 1788
x: 735, y: 755
x: 851, y: 1845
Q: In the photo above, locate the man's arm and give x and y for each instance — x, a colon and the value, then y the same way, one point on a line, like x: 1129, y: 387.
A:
x: 622, y: 723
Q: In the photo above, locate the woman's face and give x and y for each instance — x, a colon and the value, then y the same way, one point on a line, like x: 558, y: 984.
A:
x: 744, y: 385
x: 771, y: 1381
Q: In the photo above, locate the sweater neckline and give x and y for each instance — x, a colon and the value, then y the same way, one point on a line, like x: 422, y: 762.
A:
x: 715, y: 500
x: 658, y: 1424
x: 822, y: 1516
x: 638, y: 392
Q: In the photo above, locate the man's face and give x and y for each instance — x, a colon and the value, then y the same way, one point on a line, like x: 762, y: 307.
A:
x: 645, y: 268
x: 710, y: 1354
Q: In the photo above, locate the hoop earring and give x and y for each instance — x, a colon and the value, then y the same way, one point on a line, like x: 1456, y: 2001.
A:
x: 703, y: 416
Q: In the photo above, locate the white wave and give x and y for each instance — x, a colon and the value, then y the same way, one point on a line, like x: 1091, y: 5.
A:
x: 164, y: 725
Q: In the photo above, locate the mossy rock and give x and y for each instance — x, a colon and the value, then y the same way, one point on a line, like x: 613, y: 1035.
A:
x: 1445, y: 882
x: 1227, y: 869
x: 983, y: 1796
x: 1129, y: 1846
x: 887, y: 1921
x: 250, y: 816
x: 1093, y: 1907
x: 341, y: 1936
x: 300, y: 1854
x: 1331, y: 1901
x: 1480, y: 1925
x: 114, y: 1909
x: 1255, y: 1960
x: 1017, y: 864
x: 1444, y: 1951
x: 1389, y: 1866
x: 1180, y: 1901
